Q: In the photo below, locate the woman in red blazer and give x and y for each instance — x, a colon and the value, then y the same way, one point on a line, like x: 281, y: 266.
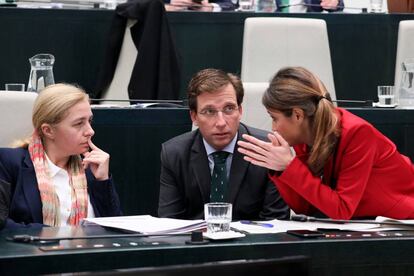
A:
x: 343, y: 167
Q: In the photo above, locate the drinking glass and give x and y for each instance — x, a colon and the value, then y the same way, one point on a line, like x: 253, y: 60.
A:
x: 14, y: 86
x: 218, y: 216
x: 376, y: 6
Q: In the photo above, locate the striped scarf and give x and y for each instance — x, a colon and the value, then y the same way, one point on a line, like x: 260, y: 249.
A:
x: 50, y: 200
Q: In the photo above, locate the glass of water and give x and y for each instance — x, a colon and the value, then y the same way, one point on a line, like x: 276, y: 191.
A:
x: 386, y: 96
x: 218, y: 216
x: 376, y: 6
x: 246, y: 5
x: 14, y: 86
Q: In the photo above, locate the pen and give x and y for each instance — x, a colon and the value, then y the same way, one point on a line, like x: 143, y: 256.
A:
x: 268, y: 225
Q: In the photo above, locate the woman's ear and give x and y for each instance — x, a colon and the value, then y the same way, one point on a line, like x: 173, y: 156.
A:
x: 298, y: 114
x: 47, y: 131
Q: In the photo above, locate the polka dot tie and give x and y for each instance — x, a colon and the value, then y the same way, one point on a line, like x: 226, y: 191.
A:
x: 219, y: 177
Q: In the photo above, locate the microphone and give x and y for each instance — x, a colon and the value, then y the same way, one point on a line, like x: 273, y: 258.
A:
x: 304, y: 218
x: 5, y: 196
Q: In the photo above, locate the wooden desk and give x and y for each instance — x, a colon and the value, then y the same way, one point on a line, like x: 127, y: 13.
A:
x: 347, y: 256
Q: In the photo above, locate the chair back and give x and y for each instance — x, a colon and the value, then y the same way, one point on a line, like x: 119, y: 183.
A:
x: 254, y: 113
x: 118, y: 89
x: 15, y: 116
x: 270, y: 44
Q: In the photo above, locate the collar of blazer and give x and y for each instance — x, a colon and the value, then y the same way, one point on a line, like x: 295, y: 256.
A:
x: 30, y: 189
x: 201, y: 170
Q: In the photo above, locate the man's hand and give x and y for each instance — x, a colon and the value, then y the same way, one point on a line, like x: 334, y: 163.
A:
x: 329, y: 4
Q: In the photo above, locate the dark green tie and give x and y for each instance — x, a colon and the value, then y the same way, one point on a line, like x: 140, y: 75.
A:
x: 219, y: 177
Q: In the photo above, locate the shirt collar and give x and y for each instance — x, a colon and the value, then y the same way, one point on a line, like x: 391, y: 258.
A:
x: 53, y: 169
x: 229, y: 148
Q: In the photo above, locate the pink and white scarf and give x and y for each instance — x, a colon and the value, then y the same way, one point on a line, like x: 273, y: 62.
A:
x: 50, y: 200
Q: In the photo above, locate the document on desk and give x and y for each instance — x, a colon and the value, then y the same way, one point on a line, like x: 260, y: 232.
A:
x: 147, y: 224
x: 281, y: 226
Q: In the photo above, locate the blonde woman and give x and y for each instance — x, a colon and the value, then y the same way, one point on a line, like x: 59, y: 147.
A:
x: 344, y: 168
x: 58, y: 176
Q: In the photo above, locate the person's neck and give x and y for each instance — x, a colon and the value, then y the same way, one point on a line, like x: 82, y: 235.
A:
x: 58, y: 160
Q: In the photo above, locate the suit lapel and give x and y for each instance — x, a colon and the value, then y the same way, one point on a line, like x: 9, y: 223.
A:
x: 30, y: 189
x: 238, y: 169
x: 199, y: 168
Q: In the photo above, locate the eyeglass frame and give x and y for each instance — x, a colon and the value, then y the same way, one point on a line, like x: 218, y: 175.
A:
x: 214, y: 112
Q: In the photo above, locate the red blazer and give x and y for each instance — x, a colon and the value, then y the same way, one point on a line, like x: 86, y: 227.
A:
x: 372, y: 177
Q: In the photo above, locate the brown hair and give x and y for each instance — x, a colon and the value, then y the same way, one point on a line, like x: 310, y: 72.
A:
x: 211, y: 80
x: 297, y: 87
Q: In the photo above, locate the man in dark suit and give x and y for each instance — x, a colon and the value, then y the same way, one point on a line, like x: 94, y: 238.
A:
x: 319, y: 5
x: 187, y: 162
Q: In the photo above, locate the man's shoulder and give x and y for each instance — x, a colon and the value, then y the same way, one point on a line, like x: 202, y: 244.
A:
x: 181, y: 141
x: 255, y: 132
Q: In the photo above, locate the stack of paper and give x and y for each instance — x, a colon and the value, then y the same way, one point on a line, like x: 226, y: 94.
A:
x: 147, y: 224
x: 281, y: 226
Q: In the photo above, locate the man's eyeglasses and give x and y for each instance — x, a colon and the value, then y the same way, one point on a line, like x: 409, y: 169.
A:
x: 227, y: 111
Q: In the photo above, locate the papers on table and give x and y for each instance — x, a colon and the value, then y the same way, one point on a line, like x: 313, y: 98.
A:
x: 147, y: 224
x: 281, y: 226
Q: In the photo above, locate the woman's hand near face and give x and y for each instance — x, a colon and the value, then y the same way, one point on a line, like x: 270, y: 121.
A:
x: 98, y: 162
x: 274, y: 155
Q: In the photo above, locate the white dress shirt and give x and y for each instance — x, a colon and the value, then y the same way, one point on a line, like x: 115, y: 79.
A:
x: 60, y: 179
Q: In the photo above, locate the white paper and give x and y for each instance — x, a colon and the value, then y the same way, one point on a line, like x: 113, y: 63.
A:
x: 281, y: 226
x: 147, y: 224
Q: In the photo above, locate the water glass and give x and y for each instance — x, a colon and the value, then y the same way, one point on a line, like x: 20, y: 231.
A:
x: 14, y: 86
x: 218, y: 216
x: 386, y: 96
x: 246, y: 5
x: 376, y: 6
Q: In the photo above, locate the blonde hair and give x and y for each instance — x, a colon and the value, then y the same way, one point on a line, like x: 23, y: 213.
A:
x: 52, y: 104
x: 297, y: 87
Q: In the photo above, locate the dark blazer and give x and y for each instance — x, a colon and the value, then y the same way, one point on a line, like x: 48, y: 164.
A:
x: 185, y: 181
x: 16, y: 168
x: 156, y: 73
x: 317, y: 2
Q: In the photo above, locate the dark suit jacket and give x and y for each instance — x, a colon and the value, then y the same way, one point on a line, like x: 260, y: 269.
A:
x: 16, y: 168
x: 317, y: 2
x: 185, y: 181
x: 156, y: 73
